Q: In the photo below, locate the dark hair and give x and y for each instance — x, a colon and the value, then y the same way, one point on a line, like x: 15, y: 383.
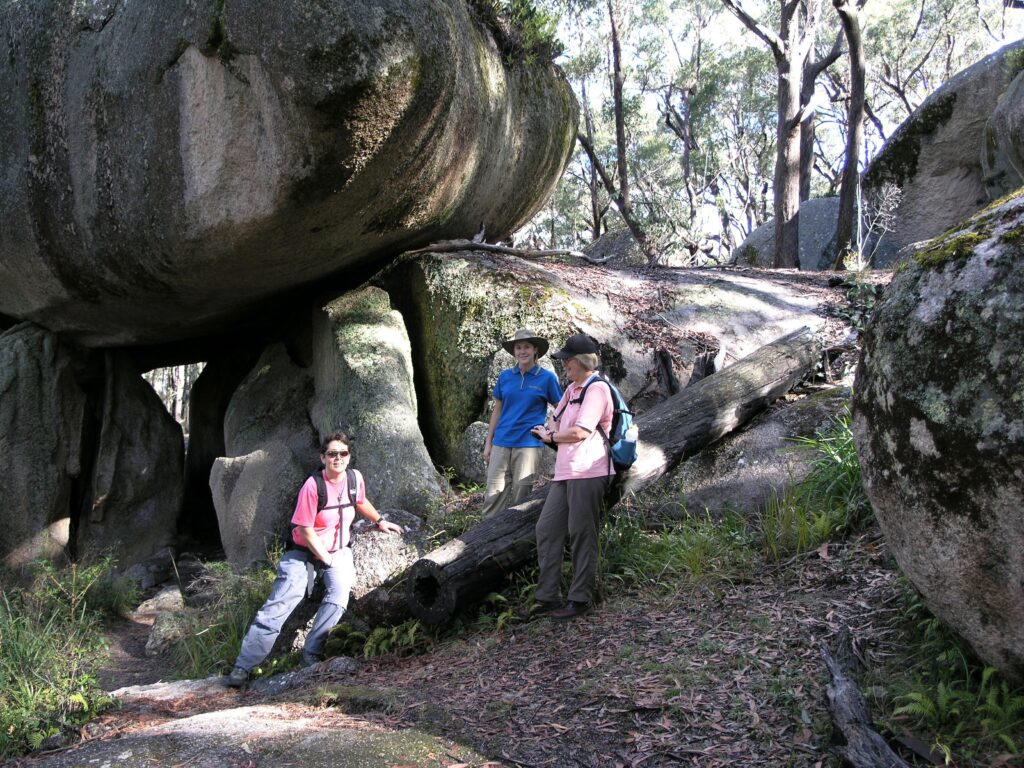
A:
x: 339, y: 436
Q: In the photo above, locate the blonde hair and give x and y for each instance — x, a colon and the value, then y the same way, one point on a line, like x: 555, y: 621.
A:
x: 588, y: 360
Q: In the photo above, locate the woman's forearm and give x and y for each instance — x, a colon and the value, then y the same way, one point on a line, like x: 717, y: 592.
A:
x: 313, y: 543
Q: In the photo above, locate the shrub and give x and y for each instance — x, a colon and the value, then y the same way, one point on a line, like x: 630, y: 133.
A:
x: 50, y: 644
x: 213, y: 635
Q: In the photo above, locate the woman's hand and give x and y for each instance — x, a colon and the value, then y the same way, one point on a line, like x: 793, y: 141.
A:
x: 542, y: 433
x: 487, y: 454
x: 388, y: 527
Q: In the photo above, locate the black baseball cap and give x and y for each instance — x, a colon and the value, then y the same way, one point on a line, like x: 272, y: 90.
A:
x: 577, y: 344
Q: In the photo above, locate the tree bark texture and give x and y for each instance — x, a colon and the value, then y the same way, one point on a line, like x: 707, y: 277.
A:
x: 786, y: 187
x: 854, y: 132
x: 865, y: 747
x: 812, y: 70
x: 470, y: 566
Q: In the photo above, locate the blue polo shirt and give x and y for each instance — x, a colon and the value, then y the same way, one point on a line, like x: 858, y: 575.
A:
x: 524, y: 404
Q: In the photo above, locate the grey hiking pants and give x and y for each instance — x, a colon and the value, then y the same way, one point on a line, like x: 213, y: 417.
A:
x: 572, y: 508
x: 288, y: 590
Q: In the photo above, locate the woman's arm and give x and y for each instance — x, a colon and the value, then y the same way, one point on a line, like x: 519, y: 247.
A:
x: 367, y: 510
x: 491, y: 426
x: 570, y: 435
x: 308, y: 535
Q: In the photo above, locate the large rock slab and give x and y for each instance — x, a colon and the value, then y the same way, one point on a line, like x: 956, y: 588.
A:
x: 271, y: 448
x: 168, y: 169
x: 135, y: 486
x: 42, y: 431
x: 939, y: 427
x: 241, y: 735
x: 935, y: 156
x: 1002, y: 157
x: 363, y: 375
x: 817, y: 238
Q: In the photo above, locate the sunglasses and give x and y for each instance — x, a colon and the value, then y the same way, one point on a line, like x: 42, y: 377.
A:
x: 336, y: 454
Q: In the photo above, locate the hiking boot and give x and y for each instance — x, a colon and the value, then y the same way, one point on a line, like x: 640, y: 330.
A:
x: 570, y: 610
x: 309, y: 659
x: 538, y: 607
x: 238, y: 677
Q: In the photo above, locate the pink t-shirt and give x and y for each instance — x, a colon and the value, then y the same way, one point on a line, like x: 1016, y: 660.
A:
x: 332, y: 525
x: 589, y: 457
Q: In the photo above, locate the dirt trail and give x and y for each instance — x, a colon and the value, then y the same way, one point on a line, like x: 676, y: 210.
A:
x: 128, y: 663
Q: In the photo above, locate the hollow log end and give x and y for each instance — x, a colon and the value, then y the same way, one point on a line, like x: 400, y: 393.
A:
x: 430, y: 599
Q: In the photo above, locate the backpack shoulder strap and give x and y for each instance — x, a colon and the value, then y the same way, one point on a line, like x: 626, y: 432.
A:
x: 350, y: 474
x: 321, y: 490
x: 583, y: 393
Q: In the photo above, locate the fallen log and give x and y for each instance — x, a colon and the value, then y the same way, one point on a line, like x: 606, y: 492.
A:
x: 681, y: 426
x: 864, y: 746
x: 470, y: 566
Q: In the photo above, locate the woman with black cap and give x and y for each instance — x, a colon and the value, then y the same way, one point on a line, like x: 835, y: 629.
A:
x: 521, y: 397
x: 582, y: 470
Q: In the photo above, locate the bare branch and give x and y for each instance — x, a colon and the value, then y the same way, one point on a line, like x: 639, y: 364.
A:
x: 452, y: 246
x: 772, y: 40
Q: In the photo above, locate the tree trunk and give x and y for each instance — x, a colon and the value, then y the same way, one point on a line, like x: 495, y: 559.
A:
x: 620, y: 118
x: 787, y: 167
x: 681, y: 426
x: 812, y: 70
x: 477, y: 562
x: 845, y: 244
x: 594, y: 183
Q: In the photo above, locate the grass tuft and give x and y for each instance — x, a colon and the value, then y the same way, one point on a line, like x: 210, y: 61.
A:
x: 51, y: 642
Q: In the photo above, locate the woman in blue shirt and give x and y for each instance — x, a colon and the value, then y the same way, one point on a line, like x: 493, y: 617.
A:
x: 521, y: 398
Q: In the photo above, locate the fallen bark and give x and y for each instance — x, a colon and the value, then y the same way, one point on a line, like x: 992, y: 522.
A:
x: 476, y: 563
x: 864, y: 747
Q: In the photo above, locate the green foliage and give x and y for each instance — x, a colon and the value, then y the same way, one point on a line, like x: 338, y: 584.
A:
x: 213, y: 636
x: 403, y: 638
x: 946, y: 249
x: 523, y: 31
x: 835, y: 484
x: 788, y: 526
x: 861, y: 297
x: 50, y: 644
x: 829, y: 502
x: 944, y: 690
x: 697, y: 548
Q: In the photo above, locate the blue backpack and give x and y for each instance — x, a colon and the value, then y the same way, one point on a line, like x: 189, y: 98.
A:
x: 621, y: 451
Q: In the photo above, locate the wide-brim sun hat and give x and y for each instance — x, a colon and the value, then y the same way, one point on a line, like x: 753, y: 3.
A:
x: 525, y: 334
x: 577, y: 344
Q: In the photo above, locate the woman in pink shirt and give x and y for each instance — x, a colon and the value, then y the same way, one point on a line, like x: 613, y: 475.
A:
x: 582, y: 472
x: 321, y: 541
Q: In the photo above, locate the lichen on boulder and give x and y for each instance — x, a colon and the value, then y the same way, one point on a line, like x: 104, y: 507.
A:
x: 939, y: 427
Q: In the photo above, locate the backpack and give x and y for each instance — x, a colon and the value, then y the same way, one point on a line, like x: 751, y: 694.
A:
x: 321, y: 504
x: 621, y: 447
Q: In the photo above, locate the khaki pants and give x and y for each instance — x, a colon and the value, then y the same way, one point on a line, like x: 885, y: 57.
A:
x: 510, y: 477
x: 572, y: 508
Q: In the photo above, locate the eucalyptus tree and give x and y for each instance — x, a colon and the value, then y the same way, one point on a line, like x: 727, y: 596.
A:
x: 790, y: 47
x: 844, y: 238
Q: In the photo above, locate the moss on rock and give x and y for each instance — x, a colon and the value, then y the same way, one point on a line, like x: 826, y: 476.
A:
x: 898, y: 162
